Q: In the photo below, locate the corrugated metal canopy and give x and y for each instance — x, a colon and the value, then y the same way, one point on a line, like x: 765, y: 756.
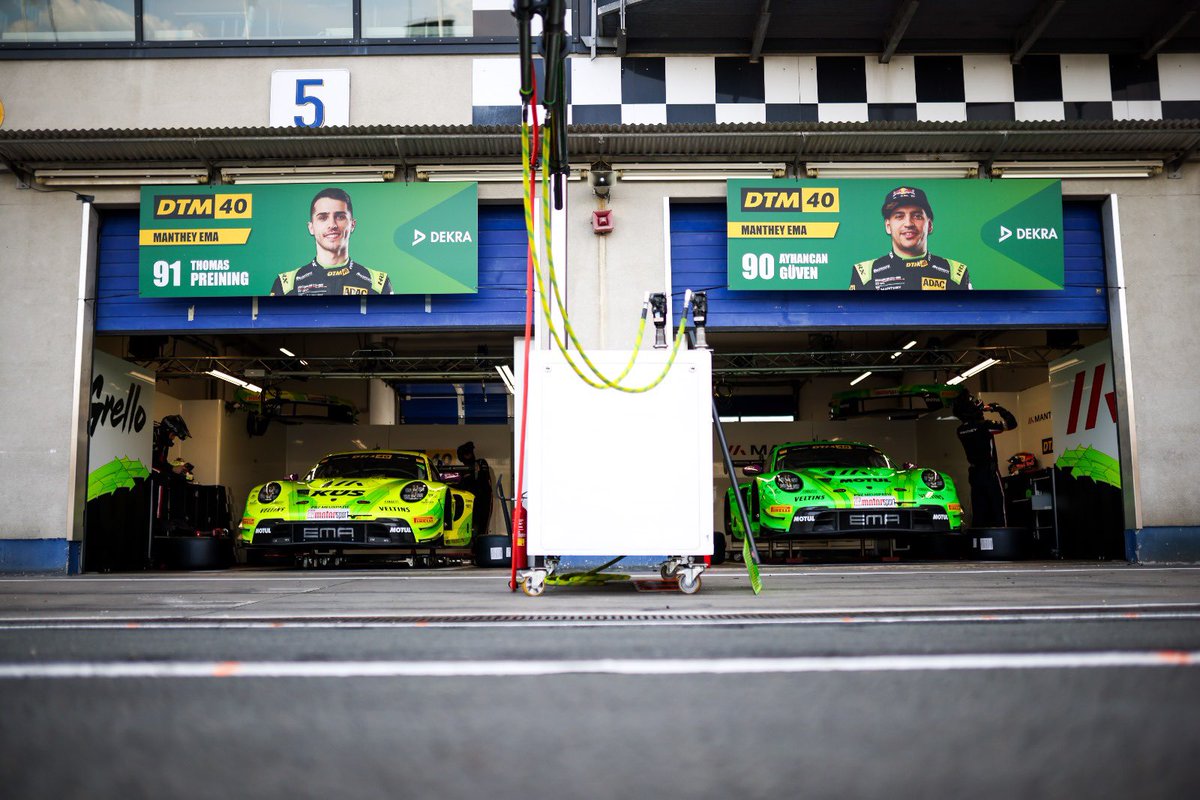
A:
x: 1169, y: 140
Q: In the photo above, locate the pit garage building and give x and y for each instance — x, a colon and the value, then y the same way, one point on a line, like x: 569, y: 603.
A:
x: 671, y: 100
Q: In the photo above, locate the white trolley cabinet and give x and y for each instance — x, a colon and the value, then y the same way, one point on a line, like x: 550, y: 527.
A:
x: 610, y: 472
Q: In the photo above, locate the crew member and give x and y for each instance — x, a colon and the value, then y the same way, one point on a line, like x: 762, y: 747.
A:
x: 166, y: 432
x: 478, y: 481
x: 332, y: 271
x: 977, y: 434
x: 908, y: 220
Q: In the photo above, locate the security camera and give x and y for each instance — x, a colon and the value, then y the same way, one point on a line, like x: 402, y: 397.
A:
x: 601, y: 179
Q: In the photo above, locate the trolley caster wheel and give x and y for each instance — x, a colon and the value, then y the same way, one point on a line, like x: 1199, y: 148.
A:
x: 688, y: 585
x: 667, y: 572
x: 532, y: 589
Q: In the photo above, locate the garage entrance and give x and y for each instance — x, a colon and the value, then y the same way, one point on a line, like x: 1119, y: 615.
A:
x: 325, y: 375
x: 781, y: 358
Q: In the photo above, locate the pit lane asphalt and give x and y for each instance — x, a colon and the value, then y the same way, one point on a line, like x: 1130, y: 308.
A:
x: 998, y: 680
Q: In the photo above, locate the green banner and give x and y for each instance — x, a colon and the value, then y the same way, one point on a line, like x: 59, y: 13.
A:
x: 941, y: 235
x: 309, y: 240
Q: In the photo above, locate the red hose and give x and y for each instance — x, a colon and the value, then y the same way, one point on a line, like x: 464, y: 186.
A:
x: 518, y: 516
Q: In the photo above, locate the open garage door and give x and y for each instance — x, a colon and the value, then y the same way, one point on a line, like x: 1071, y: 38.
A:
x: 499, y: 303
x: 698, y: 259
x: 782, y: 358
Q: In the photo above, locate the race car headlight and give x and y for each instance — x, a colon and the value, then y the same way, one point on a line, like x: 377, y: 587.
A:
x: 788, y: 481
x: 269, y: 493
x: 933, y: 479
x: 413, y: 492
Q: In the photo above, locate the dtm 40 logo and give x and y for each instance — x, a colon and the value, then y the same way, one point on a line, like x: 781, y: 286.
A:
x: 203, y: 206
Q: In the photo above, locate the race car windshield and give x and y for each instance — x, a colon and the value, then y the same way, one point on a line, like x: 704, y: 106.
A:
x: 370, y: 465
x: 835, y: 456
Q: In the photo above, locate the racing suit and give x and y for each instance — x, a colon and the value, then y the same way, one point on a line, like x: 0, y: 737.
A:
x: 929, y: 272
x: 349, y: 278
x: 987, y: 489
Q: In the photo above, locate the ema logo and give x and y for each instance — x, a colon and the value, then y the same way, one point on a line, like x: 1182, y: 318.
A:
x: 442, y: 237
x: 1028, y: 233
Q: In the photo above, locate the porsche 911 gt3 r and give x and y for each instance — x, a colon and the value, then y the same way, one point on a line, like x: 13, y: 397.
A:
x: 827, y: 490
x: 359, y: 500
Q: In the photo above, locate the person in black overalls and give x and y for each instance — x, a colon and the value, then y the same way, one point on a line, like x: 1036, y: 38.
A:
x: 977, y: 434
x: 166, y: 475
x: 477, y: 481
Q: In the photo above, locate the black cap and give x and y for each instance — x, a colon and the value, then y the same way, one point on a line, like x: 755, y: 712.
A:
x: 466, y: 447
x: 906, y: 196
x: 175, y: 424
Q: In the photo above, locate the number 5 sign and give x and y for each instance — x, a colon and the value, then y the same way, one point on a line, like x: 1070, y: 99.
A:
x: 310, y: 98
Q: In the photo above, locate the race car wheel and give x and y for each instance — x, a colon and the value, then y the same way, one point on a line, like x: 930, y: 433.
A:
x: 688, y: 585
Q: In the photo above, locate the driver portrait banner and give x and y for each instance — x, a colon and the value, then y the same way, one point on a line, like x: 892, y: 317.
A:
x: 308, y: 240
x: 883, y: 234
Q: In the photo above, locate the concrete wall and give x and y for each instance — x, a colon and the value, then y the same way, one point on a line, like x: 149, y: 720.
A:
x: 40, y: 253
x: 1161, y: 257
x: 225, y: 92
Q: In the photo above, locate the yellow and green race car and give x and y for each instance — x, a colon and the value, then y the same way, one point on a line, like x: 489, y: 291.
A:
x: 360, y: 500
x: 829, y: 490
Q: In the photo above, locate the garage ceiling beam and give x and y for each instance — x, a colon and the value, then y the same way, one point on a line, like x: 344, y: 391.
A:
x: 445, y: 369
x: 457, y: 369
x: 760, y: 31
x: 891, y: 40
x: 1167, y: 28
x: 1034, y: 28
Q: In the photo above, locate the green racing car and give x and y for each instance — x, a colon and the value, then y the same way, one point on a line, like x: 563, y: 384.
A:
x: 829, y: 490
x: 360, y: 500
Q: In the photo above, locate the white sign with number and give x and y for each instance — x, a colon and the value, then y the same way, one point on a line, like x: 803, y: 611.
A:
x: 310, y: 98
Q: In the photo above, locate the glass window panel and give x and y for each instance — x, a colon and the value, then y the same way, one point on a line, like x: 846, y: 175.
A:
x: 66, y: 20
x: 404, y: 19
x: 165, y: 20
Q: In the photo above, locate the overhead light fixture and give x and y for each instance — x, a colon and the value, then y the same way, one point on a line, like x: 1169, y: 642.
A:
x: 216, y: 373
x: 346, y: 173
x: 481, y: 173
x: 1076, y: 169
x: 287, y: 352
x: 908, y: 346
x: 149, y: 176
x: 860, y: 378
x: 893, y: 169
x: 768, y: 418
x: 506, y: 375
x: 698, y: 172
x: 973, y: 371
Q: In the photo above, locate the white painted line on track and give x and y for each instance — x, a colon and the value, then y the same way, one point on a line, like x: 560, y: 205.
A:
x: 633, y: 667
x: 631, y: 620
x: 527, y: 614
